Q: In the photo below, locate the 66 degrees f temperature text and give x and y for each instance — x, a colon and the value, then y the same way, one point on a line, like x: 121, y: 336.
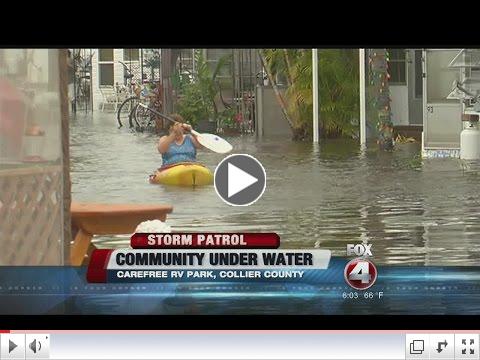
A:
x: 368, y: 295
x: 360, y: 273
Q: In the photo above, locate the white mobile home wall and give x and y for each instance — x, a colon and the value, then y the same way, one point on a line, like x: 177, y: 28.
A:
x: 441, y: 116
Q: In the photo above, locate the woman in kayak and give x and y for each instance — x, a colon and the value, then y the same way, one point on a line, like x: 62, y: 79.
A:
x: 178, y: 147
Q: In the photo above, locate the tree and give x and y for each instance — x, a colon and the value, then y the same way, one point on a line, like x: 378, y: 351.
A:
x: 273, y: 66
x: 338, y: 89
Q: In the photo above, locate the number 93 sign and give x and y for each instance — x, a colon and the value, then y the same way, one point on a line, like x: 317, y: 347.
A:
x: 360, y: 273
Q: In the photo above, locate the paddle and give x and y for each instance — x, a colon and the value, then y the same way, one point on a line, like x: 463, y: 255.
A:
x: 210, y: 141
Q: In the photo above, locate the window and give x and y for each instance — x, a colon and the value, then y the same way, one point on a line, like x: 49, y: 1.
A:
x: 214, y: 55
x: 106, y: 75
x: 397, y: 66
x: 105, y: 67
x: 105, y: 55
x: 131, y: 55
x: 185, y: 59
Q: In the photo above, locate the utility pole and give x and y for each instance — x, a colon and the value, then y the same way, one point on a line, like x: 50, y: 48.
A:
x: 363, y: 107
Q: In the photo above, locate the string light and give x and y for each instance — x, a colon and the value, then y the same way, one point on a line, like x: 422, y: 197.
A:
x: 379, y: 77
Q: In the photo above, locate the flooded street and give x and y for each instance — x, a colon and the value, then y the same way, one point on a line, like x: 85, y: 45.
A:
x: 414, y: 211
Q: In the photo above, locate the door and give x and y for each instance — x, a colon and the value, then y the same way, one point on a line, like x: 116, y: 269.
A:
x: 415, y: 87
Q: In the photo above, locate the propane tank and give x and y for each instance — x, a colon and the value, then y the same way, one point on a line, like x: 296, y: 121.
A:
x: 470, y: 139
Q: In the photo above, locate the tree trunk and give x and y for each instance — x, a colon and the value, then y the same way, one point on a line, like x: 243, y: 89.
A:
x: 175, y: 56
x: 167, y: 65
x: 379, y: 79
x: 289, y: 66
x: 300, y: 133
x: 278, y: 95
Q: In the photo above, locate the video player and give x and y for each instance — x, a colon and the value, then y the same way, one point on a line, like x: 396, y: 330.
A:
x: 252, y: 181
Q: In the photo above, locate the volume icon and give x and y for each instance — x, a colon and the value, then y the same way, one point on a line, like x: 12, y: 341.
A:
x: 35, y: 346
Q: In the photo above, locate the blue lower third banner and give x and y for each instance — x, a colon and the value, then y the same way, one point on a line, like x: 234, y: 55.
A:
x: 394, y: 290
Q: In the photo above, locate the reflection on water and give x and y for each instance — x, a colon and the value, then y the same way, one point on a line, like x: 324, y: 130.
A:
x: 414, y: 211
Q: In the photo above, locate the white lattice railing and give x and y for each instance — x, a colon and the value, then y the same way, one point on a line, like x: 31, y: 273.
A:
x: 31, y: 216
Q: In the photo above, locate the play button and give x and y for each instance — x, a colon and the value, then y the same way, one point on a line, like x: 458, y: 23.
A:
x: 11, y: 346
x: 240, y: 180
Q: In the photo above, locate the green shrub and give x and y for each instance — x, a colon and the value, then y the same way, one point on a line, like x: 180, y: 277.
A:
x: 196, y: 99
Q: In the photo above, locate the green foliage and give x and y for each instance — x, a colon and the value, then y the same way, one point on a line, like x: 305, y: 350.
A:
x: 180, y: 80
x: 338, y: 88
x: 339, y: 92
x: 191, y: 105
x: 197, y: 98
x: 225, y: 118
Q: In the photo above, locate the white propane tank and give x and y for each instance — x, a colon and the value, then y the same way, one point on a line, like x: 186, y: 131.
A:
x: 470, y: 140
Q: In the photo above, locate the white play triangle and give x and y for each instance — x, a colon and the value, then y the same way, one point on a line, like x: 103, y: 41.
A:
x: 238, y: 180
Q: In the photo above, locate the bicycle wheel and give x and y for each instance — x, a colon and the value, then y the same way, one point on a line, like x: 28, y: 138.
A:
x: 124, y: 113
x: 142, y: 118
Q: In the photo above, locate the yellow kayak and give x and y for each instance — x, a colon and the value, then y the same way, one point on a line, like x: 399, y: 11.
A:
x: 184, y: 174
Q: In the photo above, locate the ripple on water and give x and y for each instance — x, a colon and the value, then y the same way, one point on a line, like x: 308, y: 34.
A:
x: 415, y: 212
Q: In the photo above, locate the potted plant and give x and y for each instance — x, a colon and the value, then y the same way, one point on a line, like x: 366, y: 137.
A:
x: 228, y: 121
x: 196, y: 99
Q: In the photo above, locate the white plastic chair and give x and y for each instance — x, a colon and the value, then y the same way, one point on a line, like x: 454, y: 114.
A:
x: 110, y: 97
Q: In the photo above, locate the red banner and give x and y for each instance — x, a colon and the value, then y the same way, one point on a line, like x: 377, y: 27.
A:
x: 97, y: 268
x: 205, y: 241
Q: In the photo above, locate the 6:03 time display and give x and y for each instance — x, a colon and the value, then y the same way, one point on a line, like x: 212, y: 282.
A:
x: 350, y: 295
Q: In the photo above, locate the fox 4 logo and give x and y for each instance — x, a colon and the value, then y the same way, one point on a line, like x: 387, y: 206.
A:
x: 359, y: 250
x: 360, y: 273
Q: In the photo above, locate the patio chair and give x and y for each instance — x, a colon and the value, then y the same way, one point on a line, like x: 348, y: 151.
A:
x: 110, y: 97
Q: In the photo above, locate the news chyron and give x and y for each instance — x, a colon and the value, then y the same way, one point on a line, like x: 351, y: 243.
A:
x: 233, y: 257
x: 205, y: 257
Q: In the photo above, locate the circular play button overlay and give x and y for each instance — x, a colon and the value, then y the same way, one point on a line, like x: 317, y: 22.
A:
x: 240, y: 180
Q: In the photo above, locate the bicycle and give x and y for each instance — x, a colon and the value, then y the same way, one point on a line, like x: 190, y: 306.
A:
x: 132, y: 91
x: 82, y: 65
x: 150, y: 94
x: 144, y: 119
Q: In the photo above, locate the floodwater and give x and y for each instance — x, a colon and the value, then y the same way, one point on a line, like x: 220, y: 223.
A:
x: 414, y: 211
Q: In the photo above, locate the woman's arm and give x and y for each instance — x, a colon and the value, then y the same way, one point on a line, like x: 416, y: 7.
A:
x: 164, y: 143
x: 195, y: 142
x: 193, y: 137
